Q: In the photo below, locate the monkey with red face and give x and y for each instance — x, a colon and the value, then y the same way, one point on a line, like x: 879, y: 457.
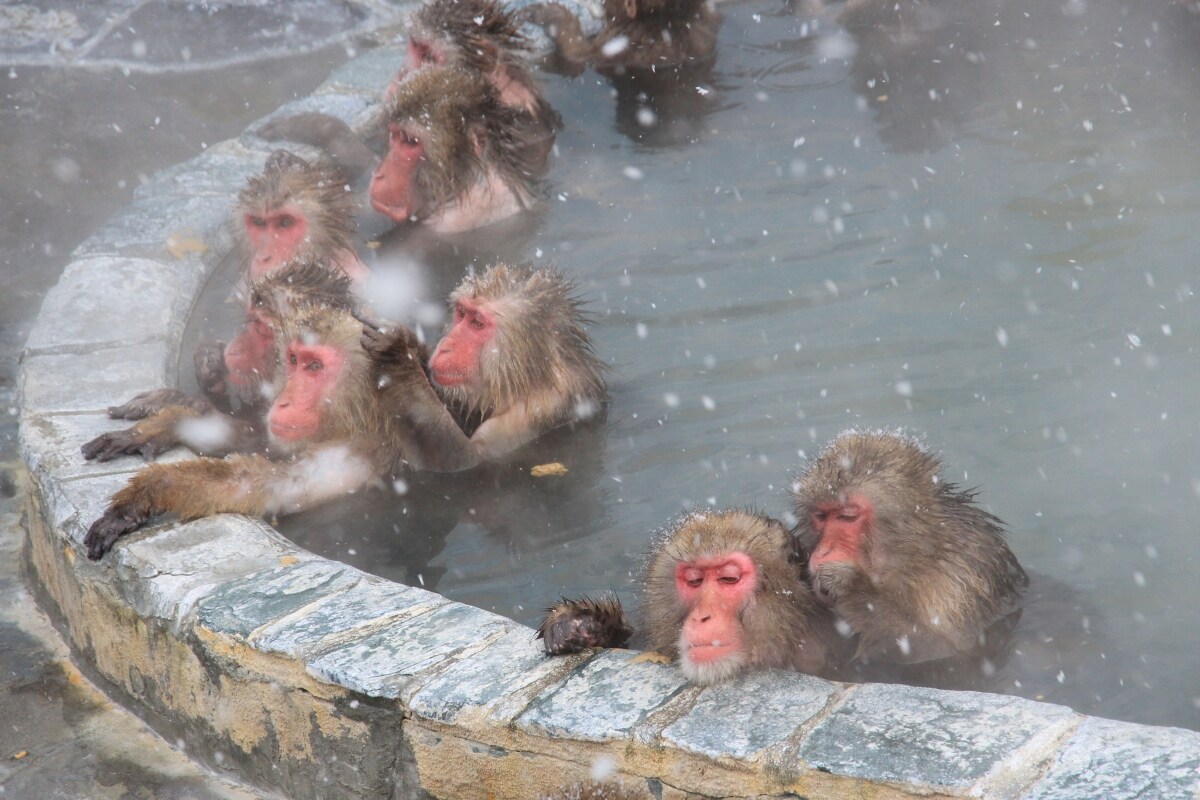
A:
x: 904, y: 558
x: 722, y: 593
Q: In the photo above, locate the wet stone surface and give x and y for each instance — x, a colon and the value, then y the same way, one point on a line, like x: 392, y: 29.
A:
x: 92, y: 381
x: 383, y: 664
x: 925, y: 736
x: 1114, y: 759
x: 213, y: 173
x: 492, y: 679
x: 371, y: 600
x: 243, y: 606
x: 148, y: 225
x: 606, y: 700
x: 71, y: 506
x: 747, y: 715
x: 104, y: 302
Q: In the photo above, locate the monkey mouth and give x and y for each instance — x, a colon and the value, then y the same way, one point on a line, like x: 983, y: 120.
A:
x: 456, y: 377
x: 398, y: 213
x: 291, y: 433
x: 708, y: 652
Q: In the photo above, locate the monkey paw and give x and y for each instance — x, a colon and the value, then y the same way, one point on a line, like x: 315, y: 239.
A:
x: 211, y: 373
x: 575, y: 625
x: 128, y: 442
x: 151, y: 402
x: 105, y: 531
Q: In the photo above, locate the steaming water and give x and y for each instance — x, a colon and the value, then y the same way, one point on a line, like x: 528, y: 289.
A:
x: 994, y: 246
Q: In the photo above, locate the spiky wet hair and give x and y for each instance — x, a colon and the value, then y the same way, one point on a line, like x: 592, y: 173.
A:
x: 540, y: 340
x: 302, y: 281
x: 453, y: 104
x: 480, y: 29
x: 318, y: 192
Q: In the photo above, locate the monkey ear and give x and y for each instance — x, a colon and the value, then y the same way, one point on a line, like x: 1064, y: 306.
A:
x: 631, y: 8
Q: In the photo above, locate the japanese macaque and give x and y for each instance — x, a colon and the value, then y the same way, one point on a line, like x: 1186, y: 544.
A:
x: 293, y: 209
x: 478, y: 36
x: 455, y: 159
x: 328, y: 433
x: 638, y: 34
x: 904, y: 558
x: 723, y: 592
x: 303, y: 281
x: 514, y: 363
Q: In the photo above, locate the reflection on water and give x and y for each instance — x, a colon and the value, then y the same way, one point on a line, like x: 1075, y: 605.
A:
x: 982, y: 227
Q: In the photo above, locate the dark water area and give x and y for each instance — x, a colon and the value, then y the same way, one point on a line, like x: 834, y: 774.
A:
x: 981, y: 228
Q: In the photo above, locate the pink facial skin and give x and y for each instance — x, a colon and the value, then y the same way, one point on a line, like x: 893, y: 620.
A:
x: 312, y: 373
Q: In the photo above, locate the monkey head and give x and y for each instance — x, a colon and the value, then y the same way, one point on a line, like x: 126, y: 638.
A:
x: 467, y: 33
x: 722, y: 593
x: 515, y: 331
x: 899, y: 553
x: 294, y: 208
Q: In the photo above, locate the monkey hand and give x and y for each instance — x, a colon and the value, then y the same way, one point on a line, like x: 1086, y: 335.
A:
x: 211, y: 373
x: 391, y: 345
x: 150, y: 438
x: 149, y: 403
x: 834, y: 581
x: 574, y: 625
x: 122, y: 517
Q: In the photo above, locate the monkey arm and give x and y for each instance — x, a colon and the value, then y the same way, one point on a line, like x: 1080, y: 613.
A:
x: 570, y: 42
x: 149, y: 403
x: 237, y: 485
x: 211, y: 372
x: 206, y: 433
x: 574, y: 625
x: 344, y: 147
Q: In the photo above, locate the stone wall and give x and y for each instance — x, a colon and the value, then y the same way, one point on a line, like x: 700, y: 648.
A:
x: 317, y: 680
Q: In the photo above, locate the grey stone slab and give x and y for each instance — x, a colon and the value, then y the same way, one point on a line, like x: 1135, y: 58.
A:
x: 52, y: 444
x: 213, y: 173
x: 149, y: 226
x: 72, y: 506
x: 927, y: 736
x: 384, y: 664
x: 372, y: 602
x: 91, y: 382
x: 102, y: 302
x: 489, y: 682
x: 369, y: 73
x: 606, y: 699
x: 243, y: 606
x: 745, y: 716
x: 166, y: 571
x: 1118, y: 760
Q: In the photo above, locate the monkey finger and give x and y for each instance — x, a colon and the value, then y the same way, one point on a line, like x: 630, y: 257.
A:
x: 147, y: 403
x: 105, y: 531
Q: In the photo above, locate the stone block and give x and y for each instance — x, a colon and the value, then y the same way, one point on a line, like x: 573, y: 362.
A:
x: 491, y: 682
x: 345, y: 107
x: 368, y: 74
x: 370, y: 603
x: 927, y: 737
x: 215, y: 172
x: 749, y: 714
x: 383, y: 664
x: 72, y: 506
x: 606, y: 700
x: 103, y: 302
x: 1119, y: 760
x: 152, y: 226
x: 91, y: 382
x: 164, y: 572
x: 243, y: 606
x: 51, y: 444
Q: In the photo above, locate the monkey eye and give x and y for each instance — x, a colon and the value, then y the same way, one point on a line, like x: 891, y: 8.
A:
x: 729, y: 579
x: 848, y: 517
x: 292, y: 359
x: 820, y: 516
x: 258, y: 222
x: 477, y: 323
x: 286, y: 221
x: 314, y: 366
x: 693, y: 577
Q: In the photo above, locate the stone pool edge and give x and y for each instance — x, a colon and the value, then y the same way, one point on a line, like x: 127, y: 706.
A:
x: 312, y: 678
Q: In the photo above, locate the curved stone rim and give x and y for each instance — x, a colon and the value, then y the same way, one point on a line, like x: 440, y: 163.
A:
x: 313, y: 678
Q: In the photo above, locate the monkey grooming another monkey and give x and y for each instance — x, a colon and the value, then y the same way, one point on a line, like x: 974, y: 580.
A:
x: 515, y: 362
x: 722, y: 592
x: 902, y: 556
x: 454, y: 161
x: 293, y: 209
x: 478, y: 36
